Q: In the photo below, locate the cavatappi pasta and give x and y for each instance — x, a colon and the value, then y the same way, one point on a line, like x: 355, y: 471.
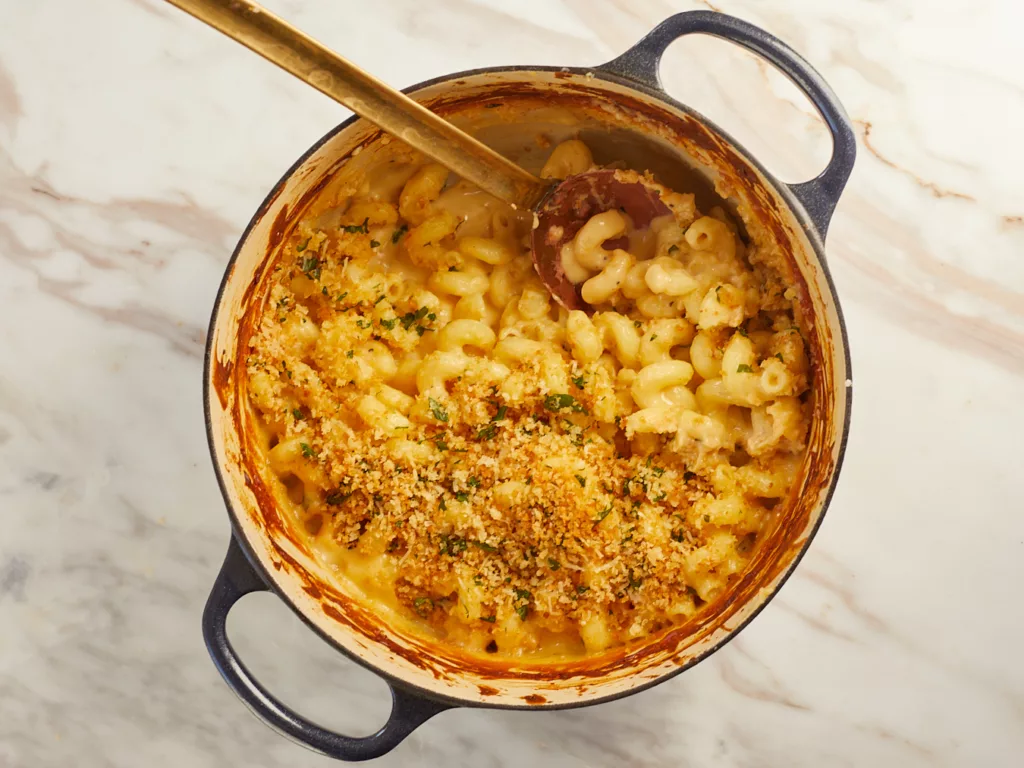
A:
x: 506, y: 476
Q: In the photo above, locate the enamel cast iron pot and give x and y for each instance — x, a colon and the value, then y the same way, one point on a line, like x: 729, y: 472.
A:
x: 620, y: 110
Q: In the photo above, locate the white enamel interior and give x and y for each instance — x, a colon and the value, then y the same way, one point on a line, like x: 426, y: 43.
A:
x: 465, y: 684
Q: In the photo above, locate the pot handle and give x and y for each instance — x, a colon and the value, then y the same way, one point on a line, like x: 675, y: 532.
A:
x: 641, y: 63
x: 238, y: 578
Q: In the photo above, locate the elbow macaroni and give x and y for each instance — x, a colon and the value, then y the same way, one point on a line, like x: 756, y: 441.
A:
x: 460, y: 446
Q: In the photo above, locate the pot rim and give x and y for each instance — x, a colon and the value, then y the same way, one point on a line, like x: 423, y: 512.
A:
x: 816, y: 241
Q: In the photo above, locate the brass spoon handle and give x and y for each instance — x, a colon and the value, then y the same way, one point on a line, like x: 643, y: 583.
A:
x: 295, y: 52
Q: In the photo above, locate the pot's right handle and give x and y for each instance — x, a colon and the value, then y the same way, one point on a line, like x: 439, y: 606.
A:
x: 238, y: 578
x: 819, y: 195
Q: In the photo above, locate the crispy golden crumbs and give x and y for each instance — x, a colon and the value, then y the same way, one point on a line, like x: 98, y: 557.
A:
x: 509, y: 477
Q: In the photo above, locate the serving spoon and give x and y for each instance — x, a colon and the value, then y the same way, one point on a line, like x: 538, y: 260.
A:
x: 560, y: 208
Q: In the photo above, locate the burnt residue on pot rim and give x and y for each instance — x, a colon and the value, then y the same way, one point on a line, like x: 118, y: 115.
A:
x: 772, y: 562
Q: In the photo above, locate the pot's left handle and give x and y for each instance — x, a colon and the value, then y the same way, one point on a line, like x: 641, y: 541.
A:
x: 819, y: 195
x: 238, y: 578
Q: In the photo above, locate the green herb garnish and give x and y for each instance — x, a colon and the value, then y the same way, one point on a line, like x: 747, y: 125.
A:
x: 397, y: 234
x: 557, y: 403
x: 411, y: 318
x: 744, y: 368
x: 438, y: 410
x: 489, y: 619
x: 484, y: 546
x: 452, y: 545
x: 337, y: 498
x: 297, y: 414
x: 423, y: 606
x: 553, y: 564
x: 308, y: 452
x: 374, y: 244
x: 302, y: 246
x: 310, y: 266
x: 602, y: 515
x: 354, y: 229
x: 523, y: 597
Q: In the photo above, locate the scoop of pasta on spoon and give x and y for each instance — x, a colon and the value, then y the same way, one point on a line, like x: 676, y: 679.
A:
x: 561, y: 208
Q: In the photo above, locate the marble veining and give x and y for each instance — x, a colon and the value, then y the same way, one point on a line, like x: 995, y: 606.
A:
x: 134, y: 146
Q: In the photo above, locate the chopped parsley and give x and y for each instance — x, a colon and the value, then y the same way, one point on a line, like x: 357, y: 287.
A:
x: 355, y: 229
x: 553, y: 564
x: 744, y: 368
x: 557, y: 403
x: 462, y: 496
x: 452, y: 545
x: 484, y: 546
x: 581, y: 588
x: 438, y: 410
x: 673, y: 248
x: 440, y: 444
x: 310, y: 266
x: 581, y: 480
x: 579, y: 381
x: 522, y: 602
x: 350, y: 353
x: 411, y: 318
x: 602, y: 515
x: 779, y: 355
x: 389, y: 324
x: 500, y: 414
x: 297, y: 414
x: 490, y: 619
x: 308, y: 452
x: 688, y: 476
x: 337, y: 498
x: 397, y: 234
x: 473, y: 482
x: 423, y: 606
x: 379, y: 299
x: 637, y: 324
x: 302, y: 246
x: 374, y: 244
x: 487, y: 433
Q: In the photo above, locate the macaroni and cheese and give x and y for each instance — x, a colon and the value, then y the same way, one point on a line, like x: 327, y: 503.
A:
x: 504, y: 475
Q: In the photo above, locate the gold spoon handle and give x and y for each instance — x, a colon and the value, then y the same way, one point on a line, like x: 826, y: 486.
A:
x: 295, y: 52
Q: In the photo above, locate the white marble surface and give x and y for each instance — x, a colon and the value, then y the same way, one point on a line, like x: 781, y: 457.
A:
x: 135, y: 144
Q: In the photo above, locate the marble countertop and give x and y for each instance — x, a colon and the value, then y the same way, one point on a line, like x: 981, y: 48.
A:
x: 134, y: 146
